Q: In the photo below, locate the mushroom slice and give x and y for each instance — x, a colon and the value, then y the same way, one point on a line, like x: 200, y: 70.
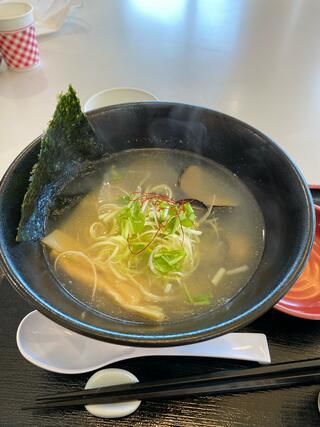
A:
x: 194, y: 180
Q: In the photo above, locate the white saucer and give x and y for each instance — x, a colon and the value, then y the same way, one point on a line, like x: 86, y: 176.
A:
x: 108, y: 377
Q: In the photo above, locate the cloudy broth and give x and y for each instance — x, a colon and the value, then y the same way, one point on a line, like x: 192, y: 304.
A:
x: 125, y: 251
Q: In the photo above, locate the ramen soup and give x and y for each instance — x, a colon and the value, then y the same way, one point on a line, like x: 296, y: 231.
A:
x: 165, y: 235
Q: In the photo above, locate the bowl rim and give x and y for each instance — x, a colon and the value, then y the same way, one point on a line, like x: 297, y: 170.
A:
x: 180, y: 338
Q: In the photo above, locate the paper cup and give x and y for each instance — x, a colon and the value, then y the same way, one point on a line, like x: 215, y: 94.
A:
x: 119, y: 95
x: 18, y: 44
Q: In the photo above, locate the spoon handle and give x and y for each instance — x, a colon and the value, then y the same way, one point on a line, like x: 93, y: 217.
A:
x: 240, y: 346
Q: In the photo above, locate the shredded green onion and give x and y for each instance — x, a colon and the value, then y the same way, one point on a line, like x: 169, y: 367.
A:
x: 147, y: 230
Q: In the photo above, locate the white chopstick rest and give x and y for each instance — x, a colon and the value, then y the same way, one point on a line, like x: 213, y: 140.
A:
x: 109, y: 377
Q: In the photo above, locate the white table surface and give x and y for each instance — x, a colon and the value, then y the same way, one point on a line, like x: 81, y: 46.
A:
x: 258, y: 60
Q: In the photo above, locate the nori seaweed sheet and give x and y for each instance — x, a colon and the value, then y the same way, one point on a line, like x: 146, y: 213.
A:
x: 68, y: 149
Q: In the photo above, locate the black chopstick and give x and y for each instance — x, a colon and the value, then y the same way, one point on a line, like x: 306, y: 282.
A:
x: 192, y: 390
x: 275, y: 369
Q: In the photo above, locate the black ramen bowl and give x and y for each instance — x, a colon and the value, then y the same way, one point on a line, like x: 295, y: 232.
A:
x: 272, y: 177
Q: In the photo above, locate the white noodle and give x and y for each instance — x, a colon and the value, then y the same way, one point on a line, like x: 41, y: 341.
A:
x: 144, y: 180
x: 149, y: 295
x: 116, y: 273
x: 207, y: 214
x: 167, y: 190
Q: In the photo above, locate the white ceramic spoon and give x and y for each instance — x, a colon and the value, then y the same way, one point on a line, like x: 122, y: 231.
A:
x: 54, y: 348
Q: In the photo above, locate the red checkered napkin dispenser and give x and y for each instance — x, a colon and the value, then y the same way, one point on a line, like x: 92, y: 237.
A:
x: 18, y: 43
